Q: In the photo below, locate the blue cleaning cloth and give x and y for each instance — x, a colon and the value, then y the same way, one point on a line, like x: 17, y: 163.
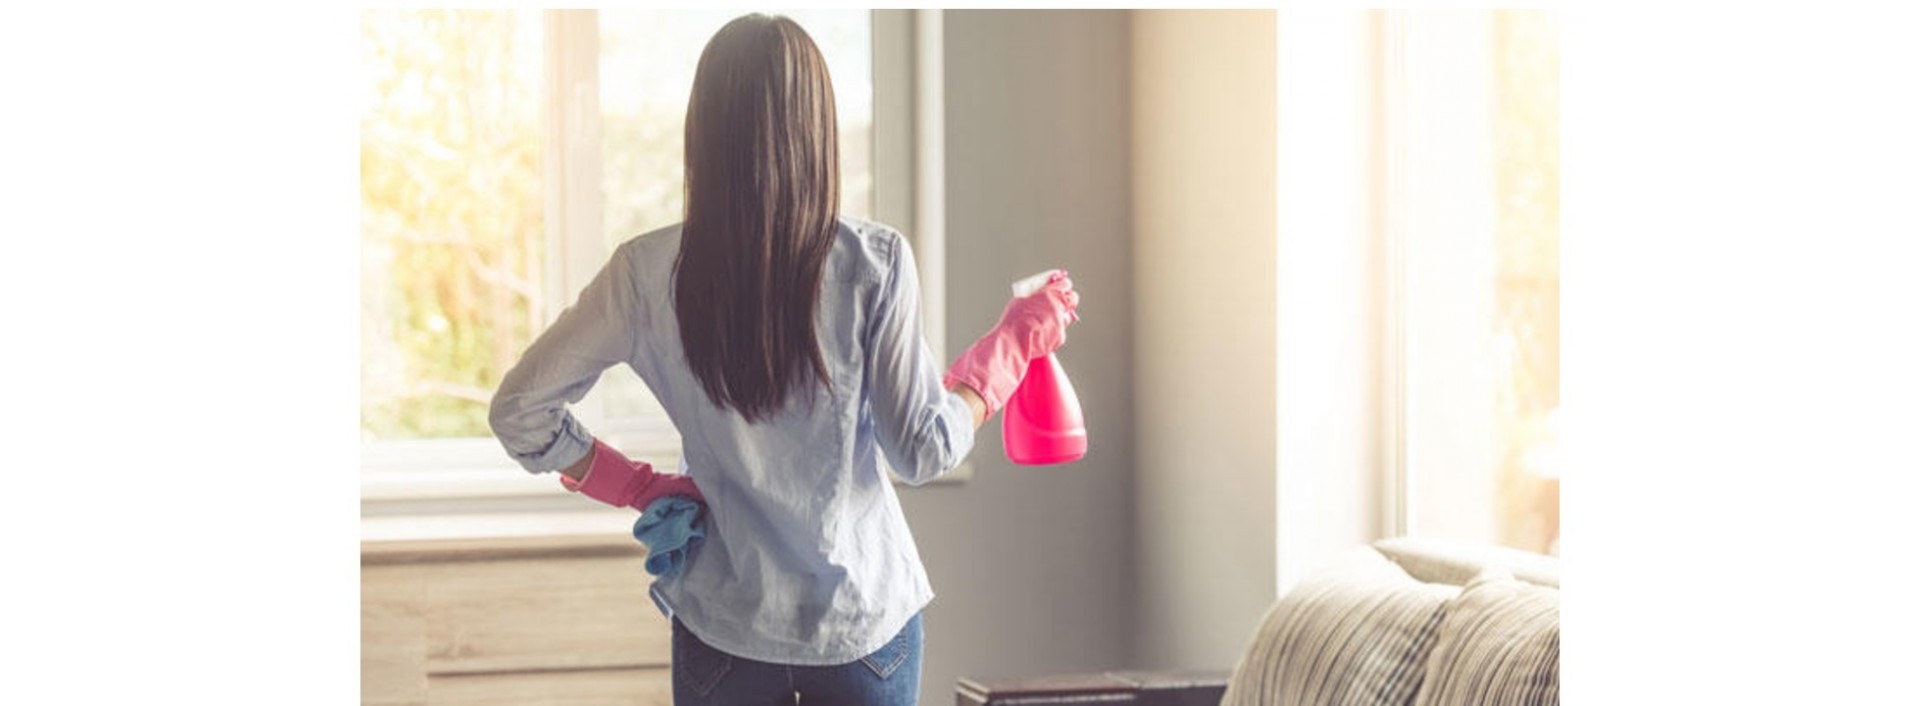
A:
x: 669, y: 527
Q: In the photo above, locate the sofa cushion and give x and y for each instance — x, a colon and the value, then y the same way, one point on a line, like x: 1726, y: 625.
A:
x: 1356, y: 632
x: 1456, y: 562
x: 1499, y: 644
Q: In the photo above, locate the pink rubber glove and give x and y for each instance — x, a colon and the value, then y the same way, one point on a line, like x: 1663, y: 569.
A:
x: 617, y: 481
x: 1032, y: 326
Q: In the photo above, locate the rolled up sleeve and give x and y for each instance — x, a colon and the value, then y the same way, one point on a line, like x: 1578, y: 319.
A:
x: 529, y: 412
x: 924, y: 429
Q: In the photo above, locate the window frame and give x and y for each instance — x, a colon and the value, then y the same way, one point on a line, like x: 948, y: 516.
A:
x: 1444, y: 94
x: 1435, y: 88
x: 473, y: 475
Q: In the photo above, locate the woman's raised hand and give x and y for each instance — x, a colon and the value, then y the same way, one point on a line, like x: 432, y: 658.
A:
x: 1033, y: 325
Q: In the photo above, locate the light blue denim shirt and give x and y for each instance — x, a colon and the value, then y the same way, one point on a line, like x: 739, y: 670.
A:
x: 808, y: 559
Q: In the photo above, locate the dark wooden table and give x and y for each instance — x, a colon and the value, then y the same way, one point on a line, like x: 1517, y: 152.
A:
x: 1162, y: 688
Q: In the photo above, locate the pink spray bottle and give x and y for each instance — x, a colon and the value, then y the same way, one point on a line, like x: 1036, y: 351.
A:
x: 1041, y: 423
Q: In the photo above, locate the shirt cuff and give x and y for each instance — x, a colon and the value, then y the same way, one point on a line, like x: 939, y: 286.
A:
x: 959, y: 422
x: 571, y: 444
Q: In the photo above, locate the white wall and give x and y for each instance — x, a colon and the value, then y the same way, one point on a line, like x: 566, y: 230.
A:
x: 1204, y: 334
x: 1032, y: 567
x: 1333, y: 285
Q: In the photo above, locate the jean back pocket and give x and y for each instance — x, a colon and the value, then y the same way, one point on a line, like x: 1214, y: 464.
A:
x: 697, y: 666
x: 890, y: 656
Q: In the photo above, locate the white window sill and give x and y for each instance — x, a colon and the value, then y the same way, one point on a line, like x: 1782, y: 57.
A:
x: 499, y: 502
x: 591, y: 520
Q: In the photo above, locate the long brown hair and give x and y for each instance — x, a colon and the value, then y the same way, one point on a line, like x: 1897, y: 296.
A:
x: 763, y: 196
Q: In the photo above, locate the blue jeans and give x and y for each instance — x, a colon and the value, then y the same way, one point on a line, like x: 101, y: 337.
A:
x: 704, y: 675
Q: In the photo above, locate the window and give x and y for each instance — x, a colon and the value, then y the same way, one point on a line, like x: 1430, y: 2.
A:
x: 503, y: 155
x: 1477, y: 310
x: 452, y: 243
x: 646, y: 65
x: 1418, y: 286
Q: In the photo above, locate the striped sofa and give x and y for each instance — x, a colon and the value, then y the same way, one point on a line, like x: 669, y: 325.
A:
x: 1399, y: 622
x: 1410, y: 622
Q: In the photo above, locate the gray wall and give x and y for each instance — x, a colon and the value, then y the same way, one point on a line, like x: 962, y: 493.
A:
x: 1032, y: 567
x: 1204, y: 332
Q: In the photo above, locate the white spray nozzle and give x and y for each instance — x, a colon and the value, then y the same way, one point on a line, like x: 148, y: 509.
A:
x: 1032, y: 284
